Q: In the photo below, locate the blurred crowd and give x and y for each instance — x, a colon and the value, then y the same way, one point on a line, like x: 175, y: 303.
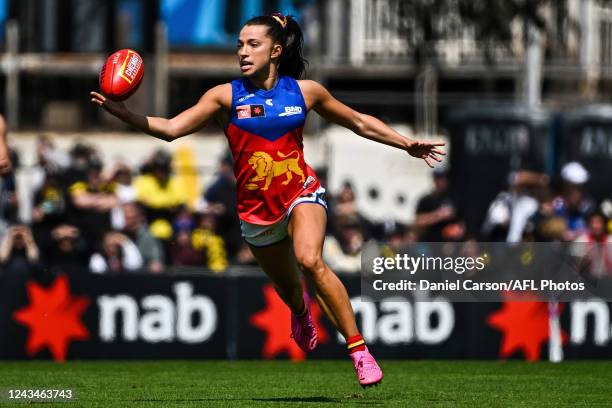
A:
x: 110, y: 218
x: 533, y: 208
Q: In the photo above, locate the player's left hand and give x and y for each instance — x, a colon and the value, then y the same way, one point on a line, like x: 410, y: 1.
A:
x: 113, y: 107
x: 427, y: 151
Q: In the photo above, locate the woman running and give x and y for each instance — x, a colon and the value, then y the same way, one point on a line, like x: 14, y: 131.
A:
x: 281, y: 203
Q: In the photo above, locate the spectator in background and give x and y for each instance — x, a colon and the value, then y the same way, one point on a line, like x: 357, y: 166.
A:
x: 436, y: 213
x: 346, y: 205
x: 49, y: 157
x: 572, y: 204
x: 121, y: 175
x: 396, y: 238
x: 182, y: 250
x: 343, y: 254
x: 92, y: 201
x: 510, y: 211
x: 344, y: 210
x: 205, y: 240
x: 118, y: 254
x: 49, y: 207
x: 50, y: 160
x: 596, y: 231
x: 9, y: 202
x: 222, y: 196
x: 150, y: 248
x: 594, y: 246
x: 160, y: 194
x: 121, y: 178
x: 5, y: 167
x: 67, y: 252
x: 606, y: 210
x: 81, y: 157
x: 18, y: 252
x: 544, y: 225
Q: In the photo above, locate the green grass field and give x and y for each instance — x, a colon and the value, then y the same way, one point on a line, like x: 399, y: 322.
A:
x: 317, y: 383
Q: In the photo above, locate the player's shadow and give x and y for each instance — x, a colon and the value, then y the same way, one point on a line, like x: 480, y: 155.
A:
x: 313, y: 399
x: 278, y: 399
x: 298, y: 399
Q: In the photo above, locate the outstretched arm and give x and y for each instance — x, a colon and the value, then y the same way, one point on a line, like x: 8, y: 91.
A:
x: 183, y: 124
x: 319, y: 99
x: 5, y: 158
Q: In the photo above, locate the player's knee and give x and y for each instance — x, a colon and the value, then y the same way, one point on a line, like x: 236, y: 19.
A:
x: 312, y: 264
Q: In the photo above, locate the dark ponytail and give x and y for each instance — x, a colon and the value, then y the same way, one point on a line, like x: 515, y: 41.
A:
x: 287, y: 32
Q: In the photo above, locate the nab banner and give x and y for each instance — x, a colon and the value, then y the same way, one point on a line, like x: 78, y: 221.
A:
x: 211, y: 317
x: 103, y: 317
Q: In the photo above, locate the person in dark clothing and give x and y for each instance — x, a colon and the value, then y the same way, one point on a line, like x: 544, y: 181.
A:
x: 19, y: 253
x: 92, y: 201
x: 9, y: 203
x: 221, y: 195
x: 49, y: 209
x: 7, y: 179
x: 67, y: 252
x: 81, y: 156
x: 436, y: 214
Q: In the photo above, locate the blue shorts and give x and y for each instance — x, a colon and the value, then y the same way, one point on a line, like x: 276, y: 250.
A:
x: 265, y: 235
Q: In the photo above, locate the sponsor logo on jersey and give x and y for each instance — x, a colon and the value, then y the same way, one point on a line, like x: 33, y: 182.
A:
x: 291, y: 110
x: 250, y: 111
x: 244, y: 98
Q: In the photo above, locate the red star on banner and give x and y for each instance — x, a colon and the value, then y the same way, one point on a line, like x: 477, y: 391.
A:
x: 275, y: 320
x: 257, y: 111
x: 524, y: 326
x: 53, y: 318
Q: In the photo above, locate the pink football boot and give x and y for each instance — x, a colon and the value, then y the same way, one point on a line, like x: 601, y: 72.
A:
x: 303, y: 331
x: 368, y: 371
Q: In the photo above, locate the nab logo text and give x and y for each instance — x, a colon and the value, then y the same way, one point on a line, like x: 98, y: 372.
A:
x: 190, y: 319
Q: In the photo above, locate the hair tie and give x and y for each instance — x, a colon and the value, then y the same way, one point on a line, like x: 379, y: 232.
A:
x: 282, y: 20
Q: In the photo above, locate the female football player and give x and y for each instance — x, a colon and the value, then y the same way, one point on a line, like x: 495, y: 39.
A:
x: 281, y: 203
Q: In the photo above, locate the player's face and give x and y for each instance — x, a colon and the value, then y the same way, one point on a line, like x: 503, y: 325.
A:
x: 255, y: 49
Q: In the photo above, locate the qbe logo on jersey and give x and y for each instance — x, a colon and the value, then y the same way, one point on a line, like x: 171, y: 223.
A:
x: 291, y: 110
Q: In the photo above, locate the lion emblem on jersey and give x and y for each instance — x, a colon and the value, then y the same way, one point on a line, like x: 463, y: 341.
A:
x: 266, y: 168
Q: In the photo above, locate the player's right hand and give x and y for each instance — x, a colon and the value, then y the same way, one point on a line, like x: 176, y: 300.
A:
x: 112, y: 107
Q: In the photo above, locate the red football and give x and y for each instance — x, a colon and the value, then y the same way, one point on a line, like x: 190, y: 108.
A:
x: 121, y: 74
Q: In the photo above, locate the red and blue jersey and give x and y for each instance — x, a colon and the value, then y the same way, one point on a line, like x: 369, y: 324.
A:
x: 265, y: 137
